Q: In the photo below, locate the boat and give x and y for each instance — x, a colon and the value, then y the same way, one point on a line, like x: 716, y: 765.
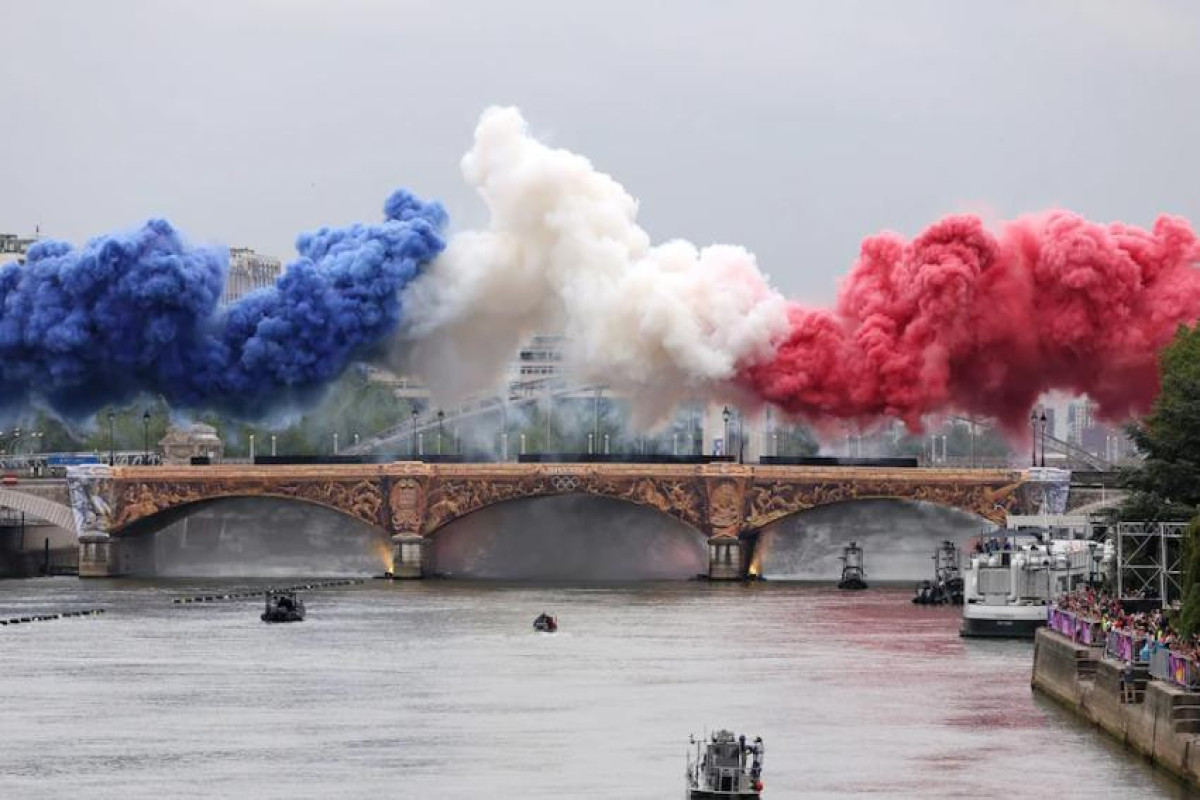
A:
x: 1013, y: 577
x: 854, y: 578
x: 545, y: 624
x: 725, y: 766
x: 283, y: 607
x: 947, y: 584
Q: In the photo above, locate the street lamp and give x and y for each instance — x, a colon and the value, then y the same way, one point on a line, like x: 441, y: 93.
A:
x: 335, y: 443
x: 725, y: 442
x: 112, y: 448
x: 1042, y: 420
x: 146, y: 435
x: 272, y: 444
x: 412, y: 448
x: 1033, y: 424
x: 441, y: 417
x: 252, y: 448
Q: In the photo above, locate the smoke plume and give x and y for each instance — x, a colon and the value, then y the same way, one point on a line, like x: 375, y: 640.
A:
x: 137, y: 312
x: 563, y: 252
x: 959, y: 319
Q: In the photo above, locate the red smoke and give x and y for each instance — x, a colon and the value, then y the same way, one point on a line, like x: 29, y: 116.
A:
x: 961, y: 320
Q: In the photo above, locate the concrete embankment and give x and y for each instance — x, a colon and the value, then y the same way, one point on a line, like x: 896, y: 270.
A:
x: 1156, y: 719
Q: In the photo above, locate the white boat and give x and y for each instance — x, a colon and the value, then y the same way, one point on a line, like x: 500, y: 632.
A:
x: 725, y: 767
x: 1008, y: 585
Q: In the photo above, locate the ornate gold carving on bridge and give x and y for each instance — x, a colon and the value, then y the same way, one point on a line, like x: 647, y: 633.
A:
x: 725, y: 498
x: 137, y: 500
x: 456, y: 497
x: 416, y: 499
x: 771, y: 501
x: 406, y: 503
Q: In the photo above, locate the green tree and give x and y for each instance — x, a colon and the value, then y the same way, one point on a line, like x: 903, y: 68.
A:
x: 1188, y: 621
x: 1166, y: 484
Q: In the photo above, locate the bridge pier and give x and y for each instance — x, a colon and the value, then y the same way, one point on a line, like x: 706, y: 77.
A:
x: 727, y: 558
x: 408, y: 557
x: 97, y: 556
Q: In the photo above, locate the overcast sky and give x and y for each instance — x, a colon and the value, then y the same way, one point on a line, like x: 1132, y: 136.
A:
x: 793, y: 128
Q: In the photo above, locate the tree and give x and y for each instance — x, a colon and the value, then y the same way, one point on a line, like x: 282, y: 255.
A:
x: 1166, y: 485
x: 1188, y: 621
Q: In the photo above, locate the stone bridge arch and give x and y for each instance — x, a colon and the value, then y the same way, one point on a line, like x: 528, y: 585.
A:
x: 53, y: 512
x: 991, y: 494
x: 156, y: 520
x: 680, y: 498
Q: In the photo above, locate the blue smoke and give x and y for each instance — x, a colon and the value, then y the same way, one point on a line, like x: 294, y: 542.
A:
x: 137, y: 313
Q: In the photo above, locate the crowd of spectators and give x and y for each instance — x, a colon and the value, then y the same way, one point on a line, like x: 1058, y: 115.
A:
x: 1151, y: 628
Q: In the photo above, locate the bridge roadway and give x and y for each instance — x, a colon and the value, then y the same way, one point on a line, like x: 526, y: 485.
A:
x: 726, y: 503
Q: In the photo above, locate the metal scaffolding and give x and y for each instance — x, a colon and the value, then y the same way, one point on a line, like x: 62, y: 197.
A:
x: 1150, y: 561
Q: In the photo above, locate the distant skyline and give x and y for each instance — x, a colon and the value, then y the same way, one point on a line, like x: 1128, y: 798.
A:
x: 793, y: 129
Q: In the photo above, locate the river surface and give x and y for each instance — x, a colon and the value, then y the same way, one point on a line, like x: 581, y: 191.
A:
x: 440, y: 689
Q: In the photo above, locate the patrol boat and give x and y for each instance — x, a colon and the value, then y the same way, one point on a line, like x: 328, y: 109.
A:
x: 283, y: 607
x: 854, y: 577
x: 947, y: 583
x: 725, y: 767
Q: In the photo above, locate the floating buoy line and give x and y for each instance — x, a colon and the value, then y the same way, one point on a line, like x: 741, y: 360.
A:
x: 87, y: 612
x: 301, y: 587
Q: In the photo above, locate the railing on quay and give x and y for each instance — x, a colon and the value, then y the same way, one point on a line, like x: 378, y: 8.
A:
x: 1128, y: 647
x: 1078, y: 629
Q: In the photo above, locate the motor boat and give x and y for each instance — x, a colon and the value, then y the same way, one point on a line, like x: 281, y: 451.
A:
x: 545, y: 624
x: 947, y: 584
x: 725, y: 766
x: 283, y: 607
x: 854, y: 577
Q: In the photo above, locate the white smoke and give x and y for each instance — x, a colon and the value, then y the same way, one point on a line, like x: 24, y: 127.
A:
x: 563, y: 252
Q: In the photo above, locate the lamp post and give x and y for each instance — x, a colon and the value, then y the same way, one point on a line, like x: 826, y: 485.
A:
x: 441, y: 418
x: 335, y: 443
x: 412, y: 448
x: 146, y: 436
x: 1033, y: 424
x: 1042, y: 420
x: 356, y: 440
x: 596, y: 415
x: 112, y: 447
x: 252, y: 448
x: 725, y: 442
x: 272, y: 444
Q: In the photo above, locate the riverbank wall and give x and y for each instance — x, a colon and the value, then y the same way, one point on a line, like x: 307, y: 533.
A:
x: 1154, y: 718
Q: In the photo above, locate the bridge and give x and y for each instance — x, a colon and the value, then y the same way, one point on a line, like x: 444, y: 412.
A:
x: 726, y: 503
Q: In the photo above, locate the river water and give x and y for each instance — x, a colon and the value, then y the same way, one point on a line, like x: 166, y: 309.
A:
x: 441, y: 689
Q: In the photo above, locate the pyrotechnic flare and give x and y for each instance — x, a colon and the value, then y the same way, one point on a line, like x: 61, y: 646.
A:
x: 137, y: 312
x: 959, y: 319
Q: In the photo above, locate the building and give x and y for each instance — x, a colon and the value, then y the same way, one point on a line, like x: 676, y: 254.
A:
x: 183, y: 443
x: 1079, y: 419
x: 13, y: 247
x: 249, y: 271
x: 539, y: 366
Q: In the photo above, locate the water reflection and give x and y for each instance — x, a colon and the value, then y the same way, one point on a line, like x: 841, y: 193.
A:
x: 256, y: 537
x: 568, y: 537
x: 897, y: 536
